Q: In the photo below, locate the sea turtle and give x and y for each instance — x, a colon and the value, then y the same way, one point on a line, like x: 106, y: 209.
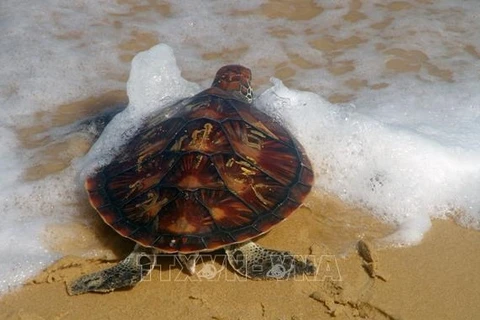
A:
x: 215, y: 173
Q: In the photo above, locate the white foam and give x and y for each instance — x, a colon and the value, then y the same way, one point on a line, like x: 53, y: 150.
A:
x: 22, y: 254
x: 21, y: 259
x: 27, y: 208
x: 404, y: 177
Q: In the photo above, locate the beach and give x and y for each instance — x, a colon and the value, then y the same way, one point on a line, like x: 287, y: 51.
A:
x: 434, y: 280
x: 383, y: 96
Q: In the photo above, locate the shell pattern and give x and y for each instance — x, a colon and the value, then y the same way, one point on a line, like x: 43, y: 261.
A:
x: 216, y: 172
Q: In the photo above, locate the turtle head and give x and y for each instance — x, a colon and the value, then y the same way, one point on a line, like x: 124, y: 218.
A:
x: 235, y: 79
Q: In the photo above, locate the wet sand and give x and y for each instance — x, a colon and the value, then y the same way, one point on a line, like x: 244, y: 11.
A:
x: 434, y: 280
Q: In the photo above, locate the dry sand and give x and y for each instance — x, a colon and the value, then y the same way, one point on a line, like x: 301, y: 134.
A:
x: 437, y: 279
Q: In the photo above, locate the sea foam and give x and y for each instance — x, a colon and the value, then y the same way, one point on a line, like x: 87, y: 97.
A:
x: 403, y: 176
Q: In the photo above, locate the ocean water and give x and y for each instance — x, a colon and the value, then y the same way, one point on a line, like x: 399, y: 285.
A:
x: 384, y: 95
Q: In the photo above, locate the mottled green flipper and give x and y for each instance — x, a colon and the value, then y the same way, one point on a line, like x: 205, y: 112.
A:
x: 253, y: 261
x: 127, y: 273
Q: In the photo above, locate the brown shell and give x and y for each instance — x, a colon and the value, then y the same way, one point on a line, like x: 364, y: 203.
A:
x: 217, y: 172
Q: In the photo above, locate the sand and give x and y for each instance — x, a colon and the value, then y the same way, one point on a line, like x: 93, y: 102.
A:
x: 437, y: 279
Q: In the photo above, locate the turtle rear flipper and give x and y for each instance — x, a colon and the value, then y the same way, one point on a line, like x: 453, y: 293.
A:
x: 128, y: 272
x: 253, y: 261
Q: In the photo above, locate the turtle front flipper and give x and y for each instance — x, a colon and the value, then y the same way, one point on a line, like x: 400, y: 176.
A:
x: 253, y: 261
x: 128, y: 272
